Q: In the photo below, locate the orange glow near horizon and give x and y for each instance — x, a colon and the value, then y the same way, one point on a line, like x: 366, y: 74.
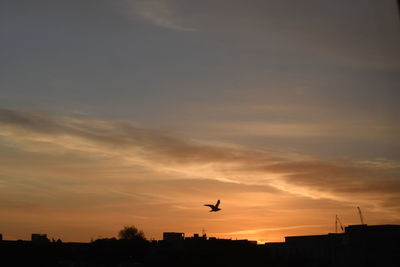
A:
x: 82, y: 180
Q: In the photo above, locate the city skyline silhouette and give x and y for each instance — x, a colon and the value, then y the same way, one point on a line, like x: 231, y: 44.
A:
x: 358, y: 245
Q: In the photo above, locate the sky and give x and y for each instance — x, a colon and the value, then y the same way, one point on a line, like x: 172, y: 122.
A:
x: 128, y: 112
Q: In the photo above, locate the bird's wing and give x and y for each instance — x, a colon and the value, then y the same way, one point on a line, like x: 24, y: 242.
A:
x: 216, y: 205
x: 209, y: 205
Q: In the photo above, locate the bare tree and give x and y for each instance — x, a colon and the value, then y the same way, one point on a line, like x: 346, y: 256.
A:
x: 131, y: 233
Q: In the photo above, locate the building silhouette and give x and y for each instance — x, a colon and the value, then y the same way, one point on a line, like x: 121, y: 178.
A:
x: 358, y: 246
x: 173, y: 237
x: 39, y: 238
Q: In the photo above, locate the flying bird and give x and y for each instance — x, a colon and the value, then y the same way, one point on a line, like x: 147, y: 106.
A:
x: 214, y: 207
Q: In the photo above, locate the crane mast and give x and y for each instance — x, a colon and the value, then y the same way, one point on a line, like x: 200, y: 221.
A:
x: 337, y: 220
x: 361, y: 217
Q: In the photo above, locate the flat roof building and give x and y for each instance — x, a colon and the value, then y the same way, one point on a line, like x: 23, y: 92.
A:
x: 173, y: 236
x: 39, y: 238
x: 359, y: 245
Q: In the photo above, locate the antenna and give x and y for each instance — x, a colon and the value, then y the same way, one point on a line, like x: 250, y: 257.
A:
x: 361, y: 217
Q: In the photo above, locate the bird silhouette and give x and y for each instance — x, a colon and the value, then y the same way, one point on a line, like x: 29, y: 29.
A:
x: 214, y: 207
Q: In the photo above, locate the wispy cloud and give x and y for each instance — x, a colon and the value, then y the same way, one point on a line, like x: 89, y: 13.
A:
x: 111, y: 166
x: 160, y: 151
x: 348, y: 129
x: 158, y: 12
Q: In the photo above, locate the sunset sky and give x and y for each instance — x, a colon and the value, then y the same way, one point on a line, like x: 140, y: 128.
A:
x: 124, y: 112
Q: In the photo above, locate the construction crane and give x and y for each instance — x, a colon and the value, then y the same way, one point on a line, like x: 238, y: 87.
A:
x: 361, y: 217
x: 337, y: 220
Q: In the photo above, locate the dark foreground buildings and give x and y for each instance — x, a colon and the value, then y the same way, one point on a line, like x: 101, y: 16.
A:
x: 359, y: 245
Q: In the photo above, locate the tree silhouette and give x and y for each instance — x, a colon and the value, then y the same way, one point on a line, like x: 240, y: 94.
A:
x: 131, y: 233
